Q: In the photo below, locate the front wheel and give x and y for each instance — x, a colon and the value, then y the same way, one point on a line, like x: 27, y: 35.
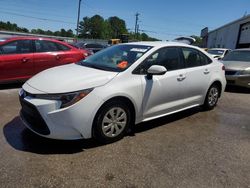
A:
x: 211, y: 97
x: 111, y: 122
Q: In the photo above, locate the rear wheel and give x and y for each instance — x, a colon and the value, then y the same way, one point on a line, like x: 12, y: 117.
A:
x: 212, y: 97
x: 111, y: 122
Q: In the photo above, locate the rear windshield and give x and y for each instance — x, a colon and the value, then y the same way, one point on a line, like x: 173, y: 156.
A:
x: 216, y: 52
x: 238, y: 56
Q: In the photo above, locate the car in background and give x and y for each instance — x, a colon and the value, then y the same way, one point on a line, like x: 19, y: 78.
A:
x: 218, y: 53
x: 94, y: 47
x: 89, y: 52
x: 110, y: 91
x: 237, y: 65
x: 23, y: 57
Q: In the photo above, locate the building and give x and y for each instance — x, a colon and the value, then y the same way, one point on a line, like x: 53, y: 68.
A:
x: 232, y: 35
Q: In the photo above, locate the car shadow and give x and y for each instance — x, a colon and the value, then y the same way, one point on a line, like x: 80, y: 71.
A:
x: 145, y: 126
x: 21, y: 138
x: 237, y: 89
x: 11, y: 86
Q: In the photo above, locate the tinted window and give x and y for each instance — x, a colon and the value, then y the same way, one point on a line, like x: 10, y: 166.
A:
x: 204, y: 60
x: 17, y: 47
x: 194, y: 58
x: 48, y: 46
x: 63, y: 47
x: 167, y: 57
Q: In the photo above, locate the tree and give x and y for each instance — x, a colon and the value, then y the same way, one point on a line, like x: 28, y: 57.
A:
x: 198, y: 41
x: 118, y: 26
x: 85, y: 28
x: 69, y: 33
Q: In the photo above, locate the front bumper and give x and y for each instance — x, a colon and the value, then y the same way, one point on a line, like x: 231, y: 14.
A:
x: 45, y: 118
x: 238, y: 80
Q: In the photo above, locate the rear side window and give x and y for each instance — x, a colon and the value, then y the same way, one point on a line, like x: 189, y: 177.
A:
x: 194, y: 58
x: 63, y: 47
x: 17, y: 47
x: 49, y: 46
x: 167, y: 57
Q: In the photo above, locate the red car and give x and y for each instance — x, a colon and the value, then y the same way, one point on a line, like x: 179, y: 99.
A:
x: 23, y: 57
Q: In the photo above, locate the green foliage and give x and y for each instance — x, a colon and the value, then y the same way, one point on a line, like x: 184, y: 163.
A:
x: 96, y: 27
x: 198, y: 41
x: 13, y: 27
x: 117, y: 26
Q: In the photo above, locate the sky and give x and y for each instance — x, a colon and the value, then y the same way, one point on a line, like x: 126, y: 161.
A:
x: 162, y: 19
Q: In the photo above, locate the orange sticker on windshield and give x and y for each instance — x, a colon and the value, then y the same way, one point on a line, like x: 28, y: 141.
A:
x: 122, y: 64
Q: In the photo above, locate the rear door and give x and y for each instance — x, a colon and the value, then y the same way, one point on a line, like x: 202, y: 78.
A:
x: 198, y: 75
x: 50, y: 54
x: 16, y: 60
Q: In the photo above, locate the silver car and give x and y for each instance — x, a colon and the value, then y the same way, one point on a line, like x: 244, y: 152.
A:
x: 237, y: 64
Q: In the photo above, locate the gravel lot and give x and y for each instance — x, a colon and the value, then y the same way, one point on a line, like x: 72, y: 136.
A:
x: 189, y: 149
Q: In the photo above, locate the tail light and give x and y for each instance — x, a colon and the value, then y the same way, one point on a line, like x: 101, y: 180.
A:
x: 223, y: 68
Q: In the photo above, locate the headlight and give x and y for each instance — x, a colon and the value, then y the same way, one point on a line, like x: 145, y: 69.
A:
x: 66, y: 99
x: 246, y: 71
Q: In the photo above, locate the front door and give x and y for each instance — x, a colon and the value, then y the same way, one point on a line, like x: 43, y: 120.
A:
x: 163, y: 94
x: 16, y: 60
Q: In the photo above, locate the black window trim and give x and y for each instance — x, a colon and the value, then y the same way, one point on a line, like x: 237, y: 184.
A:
x: 136, y: 71
x: 57, y: 45
x: 200, y: 54
x: 31, y: 47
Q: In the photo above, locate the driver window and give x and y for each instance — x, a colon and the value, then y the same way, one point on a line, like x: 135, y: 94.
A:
x: 167, y: 57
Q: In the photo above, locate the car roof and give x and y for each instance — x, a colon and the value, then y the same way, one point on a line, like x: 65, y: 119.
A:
x: 29, y: 38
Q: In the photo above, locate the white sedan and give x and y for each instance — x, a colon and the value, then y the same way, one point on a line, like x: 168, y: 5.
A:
x: 123, y: 85
x: 218, y: 53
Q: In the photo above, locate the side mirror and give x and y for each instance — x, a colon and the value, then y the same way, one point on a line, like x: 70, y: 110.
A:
x: 156, y: 70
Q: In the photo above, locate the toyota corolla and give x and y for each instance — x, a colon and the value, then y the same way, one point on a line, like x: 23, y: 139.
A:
x: 111, y: 91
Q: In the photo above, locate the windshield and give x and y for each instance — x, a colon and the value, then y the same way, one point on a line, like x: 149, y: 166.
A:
x: 116, y: 58
x: 238, y: 56
x: 216, y: 52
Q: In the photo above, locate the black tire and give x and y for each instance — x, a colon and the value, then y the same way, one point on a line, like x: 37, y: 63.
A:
x: 99, y: 124
x: 212, y: 97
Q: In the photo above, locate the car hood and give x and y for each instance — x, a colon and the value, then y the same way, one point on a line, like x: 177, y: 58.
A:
x: 236, y: 65
x: 68, y: 78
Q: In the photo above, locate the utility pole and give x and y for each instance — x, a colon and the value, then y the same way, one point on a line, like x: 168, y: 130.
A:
x: 78, y: 17
x: 136, y: 23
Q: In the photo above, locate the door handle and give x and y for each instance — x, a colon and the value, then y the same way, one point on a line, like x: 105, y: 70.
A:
x: 58, y: 57
x: 25, y: 60
x: 181, y: 77
x: 206, y: 71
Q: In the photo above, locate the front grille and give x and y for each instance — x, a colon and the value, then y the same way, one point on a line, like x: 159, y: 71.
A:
x: 229, y: 72
x: 31, y: 115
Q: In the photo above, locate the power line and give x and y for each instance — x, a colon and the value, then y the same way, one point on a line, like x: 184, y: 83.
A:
x: 19, y: 9
x: 37, y: 18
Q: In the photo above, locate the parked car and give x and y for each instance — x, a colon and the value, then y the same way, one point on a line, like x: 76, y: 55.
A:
x: 237, y: 65
x: 88, y: 51
x: 106, y: 94
x: 94, y: 47
x: 23, y: 57
x: 218, y: 53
